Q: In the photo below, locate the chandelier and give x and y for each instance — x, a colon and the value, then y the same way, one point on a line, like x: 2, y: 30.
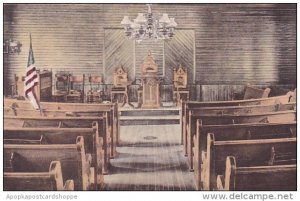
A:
x: 147, y: 26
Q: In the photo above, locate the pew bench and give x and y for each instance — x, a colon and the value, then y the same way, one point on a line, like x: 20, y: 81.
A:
x: 235, y: 132
x: 247, y: 153
x: 93, y: 142
x: 75, y: 164
x: 78, y: 109
x: 189, y: 105
x: 231, y: 111
x: 51, y: 180
x: 106, y: 114
x: 270, y: 117
x: 66, y: 122
x: 266, y: 178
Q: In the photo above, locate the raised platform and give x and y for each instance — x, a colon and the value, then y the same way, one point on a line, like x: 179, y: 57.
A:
x: 157, y: 116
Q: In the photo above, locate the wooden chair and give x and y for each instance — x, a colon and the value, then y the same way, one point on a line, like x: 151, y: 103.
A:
x: 95, y: 95
x: 19, y: 86
x: 266, y: 178
x: 119, y: 91
x: 181, y: 91
x: 61, y: 87
x: 76, y: 89
x: 51, y: 180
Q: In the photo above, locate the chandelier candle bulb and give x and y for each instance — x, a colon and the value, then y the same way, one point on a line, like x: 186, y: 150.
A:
x: 164, y: 19
x: 147, y: 26
x: 126, y: 21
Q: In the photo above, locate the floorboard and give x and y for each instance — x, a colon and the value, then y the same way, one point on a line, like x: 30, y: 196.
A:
x: 150, y: 158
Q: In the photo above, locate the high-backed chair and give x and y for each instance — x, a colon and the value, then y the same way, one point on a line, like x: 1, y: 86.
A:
x: 61, y: 87
x: 95, y: 94
x: 76, y: 89
x: 120, y: 88
x: 181, y: 90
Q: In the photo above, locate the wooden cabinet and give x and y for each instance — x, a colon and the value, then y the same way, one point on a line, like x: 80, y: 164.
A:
x: 43, y: 90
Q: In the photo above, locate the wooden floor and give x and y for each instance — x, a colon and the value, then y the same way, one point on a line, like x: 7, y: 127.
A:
x: 150, y: 157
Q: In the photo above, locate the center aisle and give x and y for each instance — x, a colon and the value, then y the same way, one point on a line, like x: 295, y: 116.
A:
x: 150, y: 157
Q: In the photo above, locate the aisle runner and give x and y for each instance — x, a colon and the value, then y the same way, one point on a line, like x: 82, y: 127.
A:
x: 150, y: 158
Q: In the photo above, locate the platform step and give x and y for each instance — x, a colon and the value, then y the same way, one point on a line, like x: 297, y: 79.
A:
x: 149, y: 120
x: 143, y: 112
x: 153, y: 116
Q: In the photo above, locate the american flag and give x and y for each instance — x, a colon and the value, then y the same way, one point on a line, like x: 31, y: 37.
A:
x: 31, y: 79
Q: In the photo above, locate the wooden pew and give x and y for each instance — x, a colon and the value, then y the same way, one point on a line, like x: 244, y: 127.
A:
x: 247, y: 152
x: 75, y: 164
x: 34, y: 140
x: 257, y: 178
x: 234, y: 132
x: 227, y: 111
x: 233, y: 110
x: 206, y: 119
x: 109, y: 139
x: 72, y: 109
x: 93, y: 143
x: 64, y: 122
x: 188, y: 105
x: 247, y: 109
x: 252, y: 92
x: 51, y: 180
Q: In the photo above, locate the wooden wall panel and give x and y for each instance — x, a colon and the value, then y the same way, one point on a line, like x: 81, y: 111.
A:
x: 242, y: 43
x: 180, y: 50
x: 64, y: 37
x: 118, y: 50
x: 235, y: 44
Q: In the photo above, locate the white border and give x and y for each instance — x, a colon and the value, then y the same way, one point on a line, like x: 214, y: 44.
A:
x: 133, y: 196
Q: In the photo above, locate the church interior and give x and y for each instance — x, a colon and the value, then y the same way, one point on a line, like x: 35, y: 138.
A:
x: 149, y: 97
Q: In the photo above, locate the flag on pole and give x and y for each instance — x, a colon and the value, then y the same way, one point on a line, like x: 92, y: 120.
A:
x: 31, y: 80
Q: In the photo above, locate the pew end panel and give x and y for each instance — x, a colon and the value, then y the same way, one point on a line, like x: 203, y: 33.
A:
x: 51, y: 180
x: 71, y: 156
x: 267, y: 178
x: 245, y: 152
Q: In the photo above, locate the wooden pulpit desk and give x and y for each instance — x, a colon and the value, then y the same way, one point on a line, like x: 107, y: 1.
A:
x: 149, y: 96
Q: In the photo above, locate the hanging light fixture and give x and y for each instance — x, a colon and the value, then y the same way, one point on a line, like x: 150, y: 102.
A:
x: 147, y: 26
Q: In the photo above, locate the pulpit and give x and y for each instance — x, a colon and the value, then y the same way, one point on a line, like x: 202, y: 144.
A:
x: 150, y: 95
x: 119, y: 92
x: 181, y: 91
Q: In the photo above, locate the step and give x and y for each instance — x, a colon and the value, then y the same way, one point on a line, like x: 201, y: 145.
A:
x: 151, y: 112
x: 149, y: 120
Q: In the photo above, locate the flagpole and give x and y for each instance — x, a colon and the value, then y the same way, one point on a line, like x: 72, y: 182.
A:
x: 37, y: 100
x: 32, y: 80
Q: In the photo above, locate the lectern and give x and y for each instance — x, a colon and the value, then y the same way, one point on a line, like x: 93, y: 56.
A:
x: 150, y: 83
